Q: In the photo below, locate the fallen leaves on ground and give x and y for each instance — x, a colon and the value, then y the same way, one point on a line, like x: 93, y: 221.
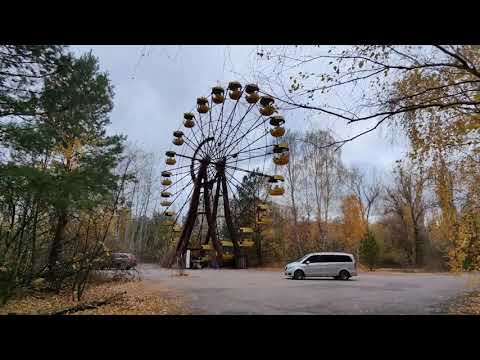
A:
x: 141, y: 298
x: 466, y: 305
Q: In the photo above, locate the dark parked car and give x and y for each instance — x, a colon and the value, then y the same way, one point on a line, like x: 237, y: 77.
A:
x: 123, y: 261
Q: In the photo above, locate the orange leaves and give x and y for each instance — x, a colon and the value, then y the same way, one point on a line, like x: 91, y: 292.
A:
x: 141, y: 298
x: 353, y: 224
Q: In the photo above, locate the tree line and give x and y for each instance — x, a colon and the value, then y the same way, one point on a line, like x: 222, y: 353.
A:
x: 60, y: 183
x: 428, y: 94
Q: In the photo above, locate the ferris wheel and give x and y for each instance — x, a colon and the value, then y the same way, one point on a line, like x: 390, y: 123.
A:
x: 226, y: 137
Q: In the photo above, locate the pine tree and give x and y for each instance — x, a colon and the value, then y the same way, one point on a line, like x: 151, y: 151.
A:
x: 22, y: 71
x: 60, y: 162
x: 369, y: 250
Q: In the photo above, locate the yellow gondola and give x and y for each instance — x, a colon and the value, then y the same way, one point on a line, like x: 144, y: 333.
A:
x: 218, y: 95
x: 166, y: 203
x: 246, y: 230
x: 267, y: 110
x: 277, y: 120
x: 166, y: 173
x: 252, y: 93
x: 281, y: 159
x: 262, y: 207
x: 166, y: 182
x: 165, y: 194
x: 202, y: 105
x: 170, y: 158
x: 178, y: 138
x: 235, y: 90
x: 169, y: 213
x: 277, y: 131
x: 167, y: 222
x: 188, y: 121
x: 178, y: 141
x: 264, y: 220
x: 177, y: 229
x: 247, y: 243
x: 207, y: 247
x: 268, y: 232
x: 280, y: 148
x: 276, y: 190
x: 267, y: 107
x: 227, y: 243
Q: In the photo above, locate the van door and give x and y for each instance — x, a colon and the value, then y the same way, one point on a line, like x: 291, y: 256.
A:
x: 335, y: 264
x: 327, y: 265
x: 312, y: 265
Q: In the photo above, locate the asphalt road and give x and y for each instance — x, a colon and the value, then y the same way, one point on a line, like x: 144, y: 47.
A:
x: 268, y: 292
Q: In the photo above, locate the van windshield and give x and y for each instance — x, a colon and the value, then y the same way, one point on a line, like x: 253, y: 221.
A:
x: 302, y: 258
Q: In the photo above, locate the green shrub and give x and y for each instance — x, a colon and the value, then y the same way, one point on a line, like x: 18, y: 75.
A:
x: 369, y: 250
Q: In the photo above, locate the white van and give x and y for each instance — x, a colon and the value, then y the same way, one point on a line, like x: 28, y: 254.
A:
x: 323, y: 264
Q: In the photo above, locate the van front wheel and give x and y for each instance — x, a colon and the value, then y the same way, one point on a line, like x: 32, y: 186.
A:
x: 298, y: 275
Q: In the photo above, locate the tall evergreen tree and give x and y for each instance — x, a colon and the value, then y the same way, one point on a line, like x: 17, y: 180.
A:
x: 22, y: 71
x: 61, y: 160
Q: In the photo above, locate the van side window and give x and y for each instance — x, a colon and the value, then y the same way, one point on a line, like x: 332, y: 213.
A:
x: 342, y: 258
x: 314, y: 259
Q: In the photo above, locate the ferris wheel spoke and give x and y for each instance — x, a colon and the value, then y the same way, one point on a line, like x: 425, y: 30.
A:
x: 180, y: 167
x: 199, y: 147
x: 235, y: 142
x: 207, y: 150
x: 232, y: 114
x: 232, y: 188
x: 190, y: 182
x: 210, y: 125
x: 249, y: 150
x: 227, y: 135
x: 201, y: 125
x: 181, y: 208
x: 219, y: 118
x: 195, y: 136
x: 181, y: 173
x: 249, y: 158
x: 248, y: 171
x: 170, y: 186
x: 202, y: 152
x: 189, y: 143
x: 239, y: 124
x: 187, y: 157
x: 211, y: 173
x: 253, y: 142
x: 240, y: 185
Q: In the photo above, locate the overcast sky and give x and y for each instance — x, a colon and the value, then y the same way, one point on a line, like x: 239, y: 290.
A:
x: 155, y: 85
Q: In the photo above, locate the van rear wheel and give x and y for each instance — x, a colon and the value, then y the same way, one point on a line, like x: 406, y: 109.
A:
x: 298, y: 275
x: 344, y: 275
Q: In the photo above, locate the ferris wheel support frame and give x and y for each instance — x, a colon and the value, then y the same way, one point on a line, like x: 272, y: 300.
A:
x: 201, y: 182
